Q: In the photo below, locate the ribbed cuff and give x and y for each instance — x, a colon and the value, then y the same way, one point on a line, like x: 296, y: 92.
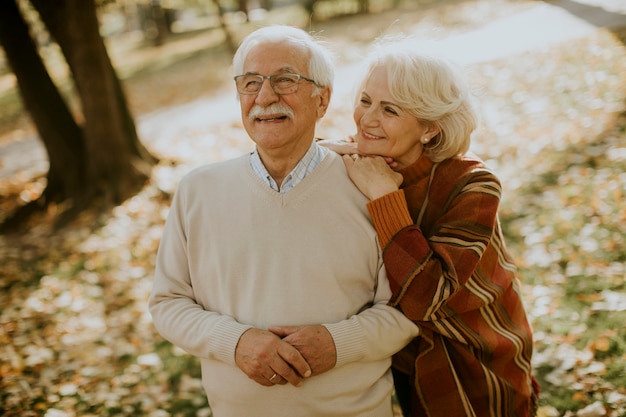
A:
x: 349, y: 341
x: 390, y: 214
x: 224, y: 339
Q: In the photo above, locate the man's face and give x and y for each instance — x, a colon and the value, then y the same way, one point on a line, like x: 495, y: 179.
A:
x: 281, y: 123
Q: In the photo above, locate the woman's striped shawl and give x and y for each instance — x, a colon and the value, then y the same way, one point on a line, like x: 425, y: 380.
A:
x: 451, y: 274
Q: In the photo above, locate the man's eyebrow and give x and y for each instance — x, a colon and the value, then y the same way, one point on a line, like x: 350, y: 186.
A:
x: 283, y: 70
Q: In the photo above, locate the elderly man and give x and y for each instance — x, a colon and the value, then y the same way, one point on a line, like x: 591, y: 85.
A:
x: 269, y: 269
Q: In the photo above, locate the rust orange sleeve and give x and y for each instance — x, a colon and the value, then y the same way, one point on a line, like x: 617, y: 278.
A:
x: 390, y: 214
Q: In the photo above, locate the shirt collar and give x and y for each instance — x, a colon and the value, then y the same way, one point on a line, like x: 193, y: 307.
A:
x: 304, y: 167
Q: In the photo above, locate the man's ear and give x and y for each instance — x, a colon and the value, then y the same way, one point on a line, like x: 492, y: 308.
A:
x: 323, y: 102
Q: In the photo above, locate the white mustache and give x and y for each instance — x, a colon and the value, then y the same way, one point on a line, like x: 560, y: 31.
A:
x: 275, y: 109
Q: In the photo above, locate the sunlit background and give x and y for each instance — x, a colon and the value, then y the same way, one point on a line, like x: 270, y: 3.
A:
x: 550, y: 79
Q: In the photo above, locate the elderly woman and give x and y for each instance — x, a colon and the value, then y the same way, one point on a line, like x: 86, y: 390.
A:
x: 435, y: 210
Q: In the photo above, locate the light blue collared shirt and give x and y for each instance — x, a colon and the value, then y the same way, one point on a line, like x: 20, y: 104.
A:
x: 304, y: 167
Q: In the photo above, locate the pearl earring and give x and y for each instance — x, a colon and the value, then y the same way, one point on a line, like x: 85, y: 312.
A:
x: 425, y: 140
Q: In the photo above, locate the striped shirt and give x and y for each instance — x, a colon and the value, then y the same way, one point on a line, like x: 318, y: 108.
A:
x: 450, y: 273
x: 304, y: 167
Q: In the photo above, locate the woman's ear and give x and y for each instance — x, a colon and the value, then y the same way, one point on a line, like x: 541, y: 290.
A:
x: 432, y: 130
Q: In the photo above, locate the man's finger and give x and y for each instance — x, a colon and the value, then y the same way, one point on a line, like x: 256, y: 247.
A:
x: 283, y: 331
x: 296, y: 362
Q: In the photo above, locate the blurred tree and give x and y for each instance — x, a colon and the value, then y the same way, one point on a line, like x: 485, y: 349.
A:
x: 309, y: 6
x: 230, y: 42
x: 363, y: 6
x: 99, y: 156
x: 243, y: 7
x: 160, y: 25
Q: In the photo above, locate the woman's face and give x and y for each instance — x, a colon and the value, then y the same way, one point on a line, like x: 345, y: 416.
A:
x: 383, y: 127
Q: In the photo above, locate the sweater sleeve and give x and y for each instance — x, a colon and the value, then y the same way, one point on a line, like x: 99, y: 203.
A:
x: 360, y: 337
x: 175, y: 313
x: 389, y: 214
x: 376, y: 333
x: 431, y: 275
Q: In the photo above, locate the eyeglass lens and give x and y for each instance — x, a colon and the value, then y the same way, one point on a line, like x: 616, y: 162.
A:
x: 281, y: 83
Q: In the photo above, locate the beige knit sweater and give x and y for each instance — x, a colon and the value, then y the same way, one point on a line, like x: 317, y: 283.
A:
x: 235, y: 255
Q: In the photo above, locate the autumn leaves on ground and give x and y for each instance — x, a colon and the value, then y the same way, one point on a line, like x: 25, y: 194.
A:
x: 75, y: 335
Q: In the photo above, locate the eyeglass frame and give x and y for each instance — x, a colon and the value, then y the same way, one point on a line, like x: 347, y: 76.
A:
x: 269, y: 77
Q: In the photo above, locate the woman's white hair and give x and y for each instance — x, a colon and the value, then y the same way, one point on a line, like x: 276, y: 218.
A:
x: 431, y: 88
x: 321, y: 62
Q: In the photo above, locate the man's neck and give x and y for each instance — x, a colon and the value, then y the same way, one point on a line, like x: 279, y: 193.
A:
x: 278, y: 164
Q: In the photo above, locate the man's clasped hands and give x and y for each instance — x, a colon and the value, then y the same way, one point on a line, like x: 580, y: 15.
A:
x: 285, y: 354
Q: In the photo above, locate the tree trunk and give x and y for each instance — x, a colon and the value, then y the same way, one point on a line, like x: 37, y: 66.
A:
x: 103, y: 158
x: 157, y: 15
x: 61, y: 136
x: 116, y: 163
x: 364, y: 6
x: 309, y: 6
x: 229, y: 38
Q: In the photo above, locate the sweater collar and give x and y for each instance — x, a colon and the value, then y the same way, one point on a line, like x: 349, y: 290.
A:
x: 416, y: 171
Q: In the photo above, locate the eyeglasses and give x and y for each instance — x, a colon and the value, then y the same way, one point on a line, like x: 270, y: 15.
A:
x: 281, y: 83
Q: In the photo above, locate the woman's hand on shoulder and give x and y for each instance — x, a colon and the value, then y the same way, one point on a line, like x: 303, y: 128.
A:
x: 372, y: 175
x: 348, y: 146
x: 342, y: 146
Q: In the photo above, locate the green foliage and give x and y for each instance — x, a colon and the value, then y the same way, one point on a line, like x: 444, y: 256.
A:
x: 177, y: 364
x: 616, y: 372
x: 562, y: 399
